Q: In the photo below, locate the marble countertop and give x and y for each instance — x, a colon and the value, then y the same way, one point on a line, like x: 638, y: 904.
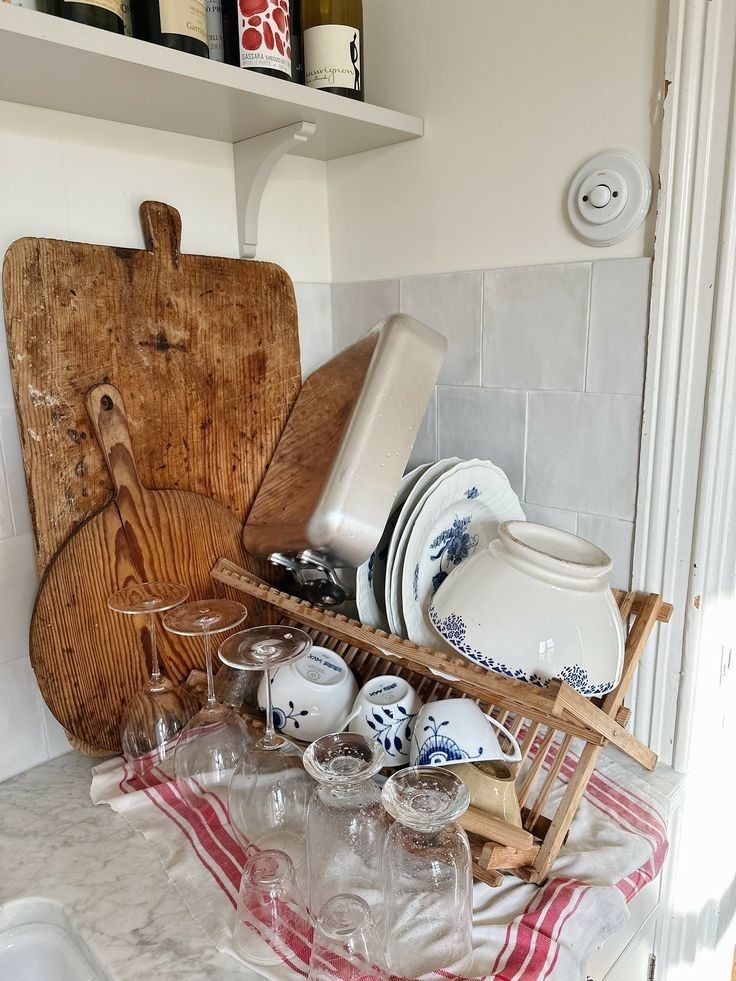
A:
x: 55, y: 844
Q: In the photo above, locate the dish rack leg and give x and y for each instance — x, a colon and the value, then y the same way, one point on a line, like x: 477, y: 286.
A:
x: 565, y: 813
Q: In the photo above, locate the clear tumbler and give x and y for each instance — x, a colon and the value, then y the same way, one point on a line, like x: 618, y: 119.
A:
x: 346, y: 822
x: 428, y: 874
x: 346, y: 943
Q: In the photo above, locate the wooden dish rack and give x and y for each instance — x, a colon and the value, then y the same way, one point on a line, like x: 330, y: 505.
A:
x: 545, y: 720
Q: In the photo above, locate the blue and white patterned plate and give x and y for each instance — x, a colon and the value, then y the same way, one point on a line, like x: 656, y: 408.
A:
x: 458, y: 518
x: 370, y: 579
x: 418, y: 493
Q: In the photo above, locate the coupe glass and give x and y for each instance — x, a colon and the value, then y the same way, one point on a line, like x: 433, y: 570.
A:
x: 269, y: 789
x: 158, y: 711
x: 346, y: 822
x: 210, y: 746
x: 271, y: 916
x: 346, y: 944
x: 428, y: 874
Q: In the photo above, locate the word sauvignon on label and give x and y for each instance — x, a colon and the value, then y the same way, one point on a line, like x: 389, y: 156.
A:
x: 258, y: 35
x: 180, y: 24
x: 107, y: 14
x: 333, y: 46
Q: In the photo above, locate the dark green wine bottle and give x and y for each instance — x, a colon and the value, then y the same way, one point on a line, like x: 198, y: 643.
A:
x: 180, y: 24
x: 107, y: 14
x: 333, y: 46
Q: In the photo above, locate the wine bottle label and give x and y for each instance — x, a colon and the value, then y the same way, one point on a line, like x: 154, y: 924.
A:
x: 214, y: 30
x: 332, y: 57
x: 114, y: 6
x: 265, y: 35
x: 187, y: 17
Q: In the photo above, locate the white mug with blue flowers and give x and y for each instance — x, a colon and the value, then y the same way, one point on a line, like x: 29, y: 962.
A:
x: 456, y: 730
x: 385, y: 711
x: 311, y: 697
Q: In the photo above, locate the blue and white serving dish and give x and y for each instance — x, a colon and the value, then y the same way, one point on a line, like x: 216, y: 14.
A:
x: 458, y: 517
x: 535, y: 604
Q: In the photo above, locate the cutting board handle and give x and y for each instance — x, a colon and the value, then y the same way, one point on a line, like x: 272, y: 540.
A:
x: 110, y: 422
x: 161, y: 229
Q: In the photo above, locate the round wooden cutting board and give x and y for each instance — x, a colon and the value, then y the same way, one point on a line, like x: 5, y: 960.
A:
x: 89, y: 660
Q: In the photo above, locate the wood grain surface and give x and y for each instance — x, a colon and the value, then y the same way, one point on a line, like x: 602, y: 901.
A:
x: 89, y: 660
x: 205, y: 351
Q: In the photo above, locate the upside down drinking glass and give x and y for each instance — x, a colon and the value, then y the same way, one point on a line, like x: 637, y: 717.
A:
x: 346, y: 823
x: 428, y: 873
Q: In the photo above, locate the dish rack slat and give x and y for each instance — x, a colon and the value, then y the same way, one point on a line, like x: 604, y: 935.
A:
x: 547, y: 721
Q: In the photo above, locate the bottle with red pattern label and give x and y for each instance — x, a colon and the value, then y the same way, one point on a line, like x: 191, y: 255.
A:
x: 258, y: 36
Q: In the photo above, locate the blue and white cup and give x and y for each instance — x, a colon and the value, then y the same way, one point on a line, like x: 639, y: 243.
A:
x: 455, y: 730
x: 385, y: 710
x: 312, y: 696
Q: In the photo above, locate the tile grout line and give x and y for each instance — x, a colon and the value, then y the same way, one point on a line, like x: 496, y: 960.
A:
x: 587, y: 329
x: 526, y: 445
x: 482, y: 344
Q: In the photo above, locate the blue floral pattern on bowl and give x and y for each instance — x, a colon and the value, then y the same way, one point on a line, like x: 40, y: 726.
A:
x: 438, y: 748
x: 455, y: 544
x: 453, y: 629
x: 392, y: 728
x: 281, y: 717
x: 471, y: 493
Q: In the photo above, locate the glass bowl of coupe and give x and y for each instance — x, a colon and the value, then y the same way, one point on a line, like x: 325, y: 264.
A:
x: 209, y: 748
x: 269, y: 789
x: 156, y: 714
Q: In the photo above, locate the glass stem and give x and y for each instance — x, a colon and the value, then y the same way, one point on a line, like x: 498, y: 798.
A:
x: 211, y: 702
x: 155, y: 672
x: 270, y: 731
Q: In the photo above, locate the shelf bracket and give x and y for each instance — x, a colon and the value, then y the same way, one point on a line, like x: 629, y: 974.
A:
x: 254, y: 162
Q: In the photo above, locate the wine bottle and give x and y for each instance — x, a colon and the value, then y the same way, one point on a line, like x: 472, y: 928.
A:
x: 297, y: 47
x: 258, y: 35
x: 107, y: 14
x: 333, y: 46
x: 180, y: 24
x: 214, y: 30
x: 127, y: 17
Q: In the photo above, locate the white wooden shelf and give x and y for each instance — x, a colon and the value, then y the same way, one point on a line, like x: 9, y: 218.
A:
x: 56, y: 64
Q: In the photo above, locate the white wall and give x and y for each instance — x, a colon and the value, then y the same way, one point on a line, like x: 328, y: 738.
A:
x: 82, y: 179
x: 515, y: 95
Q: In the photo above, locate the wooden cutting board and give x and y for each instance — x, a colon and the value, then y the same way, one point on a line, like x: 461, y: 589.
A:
x: 204, y: 350
x: 89, y: 660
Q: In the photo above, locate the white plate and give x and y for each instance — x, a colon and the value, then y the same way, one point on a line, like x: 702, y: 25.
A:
x: 458, y: 518
x: 395, y: 553
x: 370, y: 579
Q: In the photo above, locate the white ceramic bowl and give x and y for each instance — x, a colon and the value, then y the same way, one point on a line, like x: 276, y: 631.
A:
x: 312, y: 696
x: 535, y: 605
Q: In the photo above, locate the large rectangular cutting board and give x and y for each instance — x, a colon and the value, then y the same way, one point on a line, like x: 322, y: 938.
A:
x: 205, y: 349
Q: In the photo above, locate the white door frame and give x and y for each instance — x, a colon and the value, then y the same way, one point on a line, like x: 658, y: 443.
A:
x: 683, y: 516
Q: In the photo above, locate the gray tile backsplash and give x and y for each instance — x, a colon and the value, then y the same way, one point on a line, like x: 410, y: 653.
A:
x: 356, y: 307
x: 488, y: 423
x: 618, y: 326
x: 451, y: 304
x: 544, y: 375
x: 314, y: 309
x: 613, y: 536
x: 535, y: 326
x: 425, y: 445
x: 583, y: 452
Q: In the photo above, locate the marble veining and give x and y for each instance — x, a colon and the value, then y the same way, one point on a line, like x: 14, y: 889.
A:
x: 108, y: 880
